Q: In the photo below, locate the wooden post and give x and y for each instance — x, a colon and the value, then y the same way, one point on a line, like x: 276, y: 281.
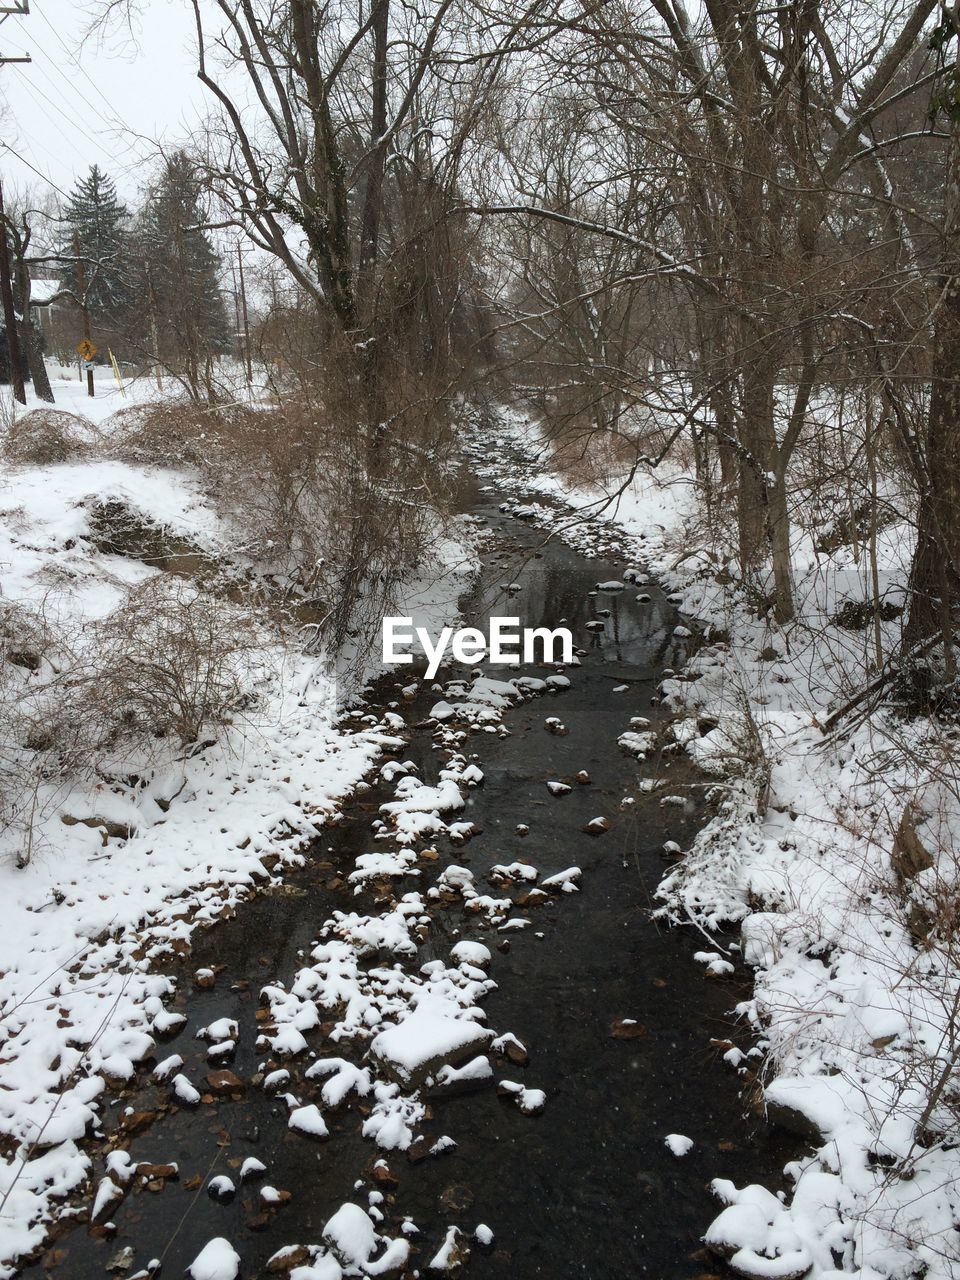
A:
x: 9, y: 315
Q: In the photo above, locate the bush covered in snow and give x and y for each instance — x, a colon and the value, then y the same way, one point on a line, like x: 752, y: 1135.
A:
x: 45, y: 436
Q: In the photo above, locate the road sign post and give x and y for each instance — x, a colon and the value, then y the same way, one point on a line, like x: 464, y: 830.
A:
x: 86, y: 351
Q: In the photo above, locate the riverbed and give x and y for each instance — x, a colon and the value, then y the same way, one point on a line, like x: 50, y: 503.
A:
x: 616, y: 1015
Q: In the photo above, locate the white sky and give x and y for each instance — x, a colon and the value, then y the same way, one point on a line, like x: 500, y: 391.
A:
x: 62, y: 122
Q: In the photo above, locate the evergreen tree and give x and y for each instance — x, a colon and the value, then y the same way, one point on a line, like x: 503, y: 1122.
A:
x: 94, y: 222
x: 181, y: 273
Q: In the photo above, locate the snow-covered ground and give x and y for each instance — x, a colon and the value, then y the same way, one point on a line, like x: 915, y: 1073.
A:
x: 123, y: 865
x: 835, y: 854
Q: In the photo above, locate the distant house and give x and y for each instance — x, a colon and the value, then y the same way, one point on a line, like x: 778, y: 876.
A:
x: 44, y: 312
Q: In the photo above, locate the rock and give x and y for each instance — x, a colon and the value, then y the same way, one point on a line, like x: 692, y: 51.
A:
x: 217, y: 1260
x: 383, y: 1176
x: 167, y: 1024
x: 420, y: 1149
x: 530, y: 1101
x: 272, y: 1197
x: 204, y: 979
x: 221, y: 1188
x: 425, y: 1041
x: 184, y: 1090
x: 627, y: 1029
x: 597, y: 826
x: 483, y: 1236
x: 583, y: 777
x: 309, y: 1121
x: 122, y: 1260
x: 111, y: 830
x: 452, y: 1255
x: 285, y: 1259
x: 794, y: 1121
x: 150, y: 1172
x: 509, y: 1047
x: 909, y: 855
x: 137, y: 1121
x: 252, y: 1168
x: 221, y: 1083
x: 522, y: 829
x: 558, y: 788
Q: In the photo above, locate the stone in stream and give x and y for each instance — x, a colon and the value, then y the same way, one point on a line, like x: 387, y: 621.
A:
x: 453, y: 1254
x: 530, y: 1101
x: 514, y: 1050
x: 383, y: 1176
x: 222, y: 1083
x: 122, y: 1260
x: 137, y: 1121
x: 154, y: 1172
x: 221, y: 1188
x: 627, y: 1029
x: 424, y: 1041
x: 285, y: 1259
x: 558, y: 788
x: 217, y: 1260
x: 597, y: 826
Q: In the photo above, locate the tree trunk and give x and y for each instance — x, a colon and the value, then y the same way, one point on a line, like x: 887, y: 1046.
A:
x: 935, y: 573
x: 778, y: 527
x: 32, y: 346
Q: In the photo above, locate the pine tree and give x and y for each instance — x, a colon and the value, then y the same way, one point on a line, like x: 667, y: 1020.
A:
x: 94, y: 222
x: 181, y: 273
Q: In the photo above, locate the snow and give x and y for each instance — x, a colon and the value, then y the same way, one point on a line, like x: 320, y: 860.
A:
x: 308, y: 1120
x: 472, y: 953
x: 434, y: 1032
x: 185, y: 1091
x: 200, y: 828
x: 217, y: 1260
x: 678, y: 1144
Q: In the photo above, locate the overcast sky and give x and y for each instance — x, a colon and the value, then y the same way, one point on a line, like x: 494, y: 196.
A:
x: 68, y: 108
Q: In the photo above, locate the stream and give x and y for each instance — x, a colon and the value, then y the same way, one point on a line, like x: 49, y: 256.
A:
x: 587, y: 1189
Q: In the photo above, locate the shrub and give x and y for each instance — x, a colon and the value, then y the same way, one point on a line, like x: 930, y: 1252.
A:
x: 44, y: 436
x: 171, y: 660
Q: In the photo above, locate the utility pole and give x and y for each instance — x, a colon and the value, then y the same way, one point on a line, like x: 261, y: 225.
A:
x: 9, y: 315
x: 82, y: 282
x: 19, y: 8
x: 246, y: 319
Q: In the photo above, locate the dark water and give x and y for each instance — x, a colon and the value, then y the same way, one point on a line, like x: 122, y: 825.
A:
x: 588, y: 1189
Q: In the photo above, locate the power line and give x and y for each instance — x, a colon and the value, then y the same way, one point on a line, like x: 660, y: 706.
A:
x: 35, y: 91
x: 71, y: 85
x: 49, y: 181
x: 81, y: 68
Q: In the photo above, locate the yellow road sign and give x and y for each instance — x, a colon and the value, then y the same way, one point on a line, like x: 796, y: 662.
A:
x: 86, y: 350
